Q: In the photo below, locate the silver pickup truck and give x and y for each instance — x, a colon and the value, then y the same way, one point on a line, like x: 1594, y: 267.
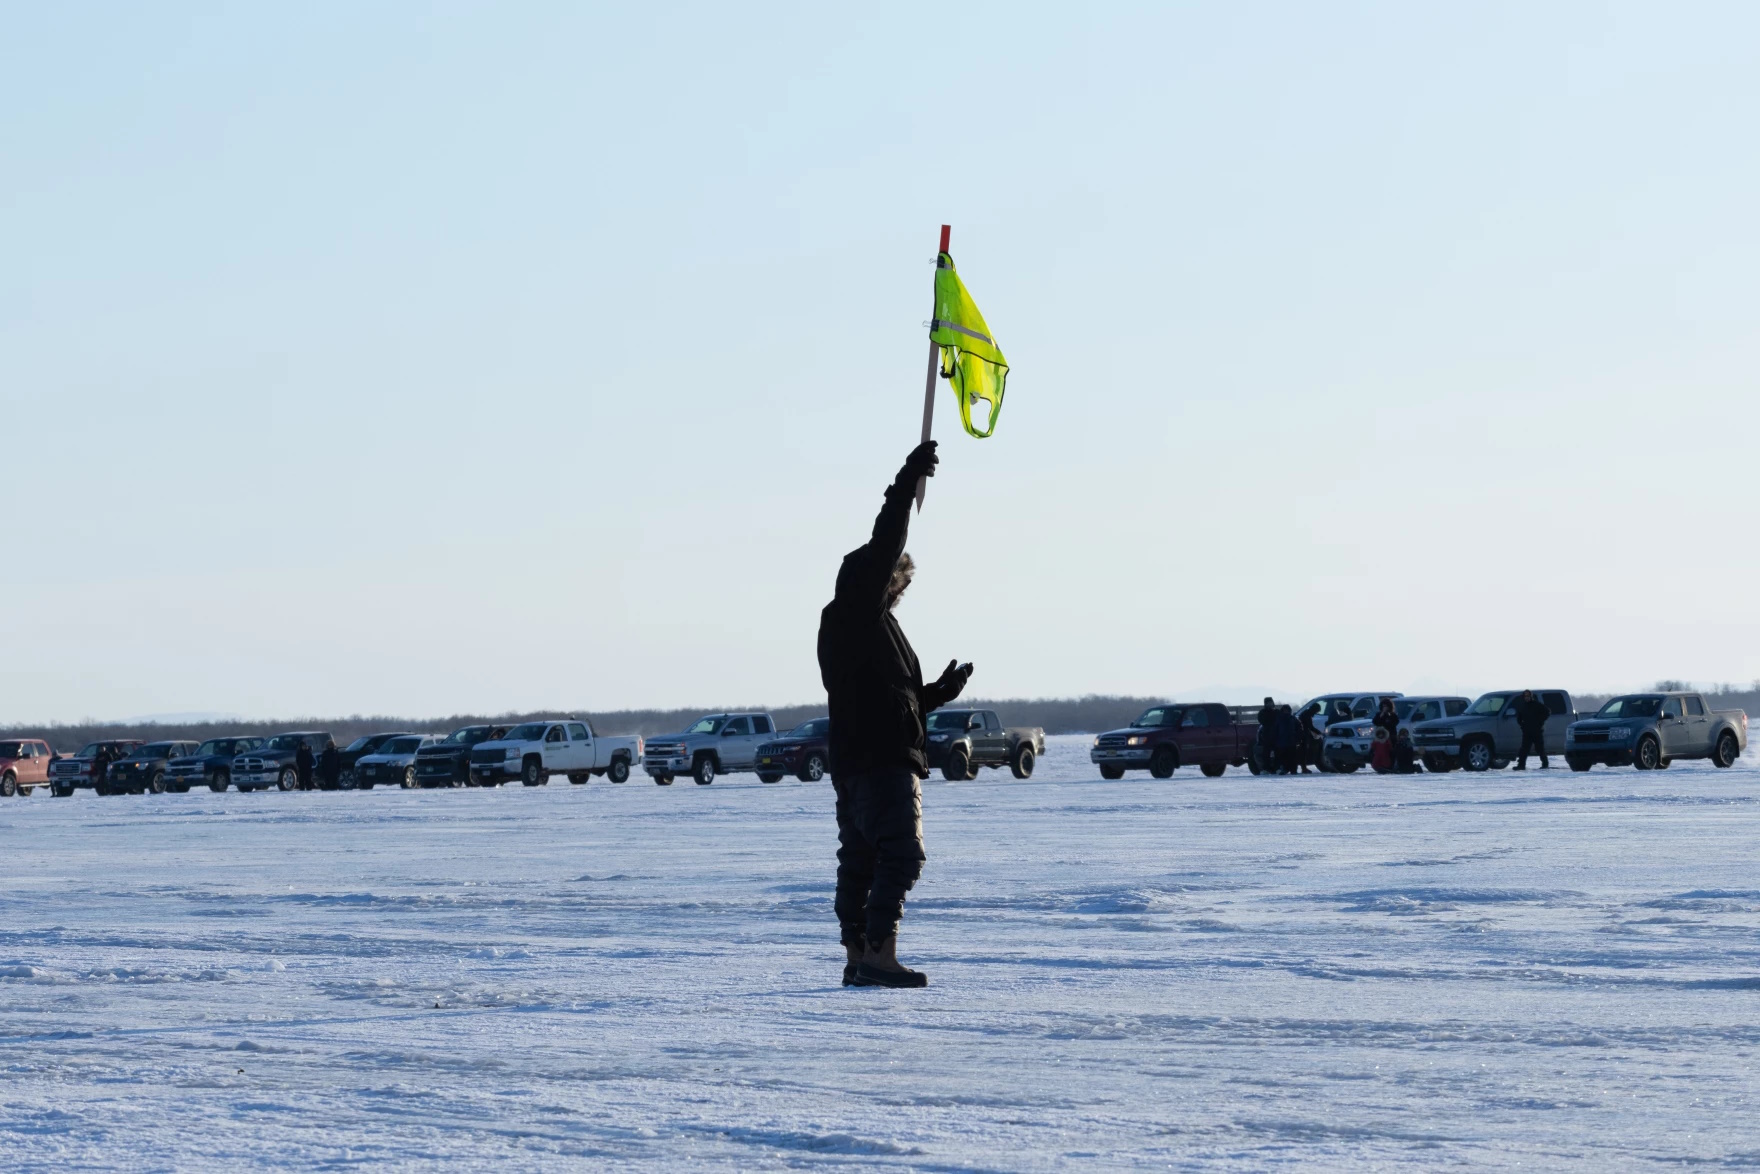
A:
x: 1487, y: 734
x: 1651, y: 730
x: 714, y: 745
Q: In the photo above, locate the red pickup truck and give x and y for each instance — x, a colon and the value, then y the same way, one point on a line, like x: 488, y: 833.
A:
x: 24, y: 764
x: 1204, y: 734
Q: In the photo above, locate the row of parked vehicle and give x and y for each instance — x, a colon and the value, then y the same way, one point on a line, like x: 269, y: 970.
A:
x: 1643, y: 730
x: 961, y: 742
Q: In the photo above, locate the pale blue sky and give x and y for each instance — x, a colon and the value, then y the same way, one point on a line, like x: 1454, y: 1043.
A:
x: 420, y: 359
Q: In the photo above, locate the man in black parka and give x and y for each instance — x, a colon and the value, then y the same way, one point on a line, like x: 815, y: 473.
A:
x: 302, y: 765
x: 877, y: 700
x: 330, y: 765
x: 1531, y: 715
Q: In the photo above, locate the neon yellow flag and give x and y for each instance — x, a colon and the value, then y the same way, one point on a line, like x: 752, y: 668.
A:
x: 970, y: 357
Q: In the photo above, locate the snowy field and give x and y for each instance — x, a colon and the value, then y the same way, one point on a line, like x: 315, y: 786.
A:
x: 1546, y: 970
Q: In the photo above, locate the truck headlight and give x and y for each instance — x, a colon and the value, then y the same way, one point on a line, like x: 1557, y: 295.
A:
x: 1136, y: 739
x: 512, y: 753
x: 1620, y: 732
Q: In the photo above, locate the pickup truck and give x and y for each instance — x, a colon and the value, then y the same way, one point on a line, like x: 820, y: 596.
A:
x: 533, y: 751
x: 803, y: 752
x: 24, y: 765
x: 1486, y: 735
x: 1164, y: 738
x: 1651, y: 730
x: 962, y: 740
x: 89, y: 766
x: 447, y: 763
x: 209, y: 764
x: 1350, y: 743
x: 717, y: 743
x: 274, y: 763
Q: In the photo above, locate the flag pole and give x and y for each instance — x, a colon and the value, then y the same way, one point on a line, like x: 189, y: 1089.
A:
x: 929, y: 383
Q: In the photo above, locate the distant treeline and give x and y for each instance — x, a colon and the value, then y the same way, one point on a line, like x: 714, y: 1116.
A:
x: 1057, y: 715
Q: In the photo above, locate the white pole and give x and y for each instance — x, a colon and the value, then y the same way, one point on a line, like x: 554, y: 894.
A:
x: 929, y: 381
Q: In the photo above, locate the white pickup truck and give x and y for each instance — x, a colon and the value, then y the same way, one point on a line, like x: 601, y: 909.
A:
x: 533, y: 751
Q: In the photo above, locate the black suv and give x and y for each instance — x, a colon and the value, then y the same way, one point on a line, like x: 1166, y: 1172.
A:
x: 359, y: 749
x: 803, y: 752
x: 447, y: 763
x: 142, y: 770
x: 274, y: 763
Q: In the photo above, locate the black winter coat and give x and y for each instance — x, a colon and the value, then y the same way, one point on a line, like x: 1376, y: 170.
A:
x: 330, y: 765
x: 1532, y: 715
x: 872, y: 679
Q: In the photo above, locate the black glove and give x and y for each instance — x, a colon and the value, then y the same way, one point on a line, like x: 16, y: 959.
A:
x: 954, y: 678
x: 921, y: 463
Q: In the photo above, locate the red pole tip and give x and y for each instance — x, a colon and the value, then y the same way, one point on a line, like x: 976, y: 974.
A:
x: 946, y: 231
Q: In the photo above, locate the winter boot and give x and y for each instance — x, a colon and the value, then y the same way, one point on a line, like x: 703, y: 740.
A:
x: 880, y: 967
x: 854, y: 951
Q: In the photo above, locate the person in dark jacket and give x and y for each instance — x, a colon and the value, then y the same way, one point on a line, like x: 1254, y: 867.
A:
x: 302, y: 765
x: 1312, y: 743
x: 1265, y: 740
x: 1531, y: 715
x: 1382, y: 750
x: 1286, y: 739
x: 877, y: 698
x: 330, y: 765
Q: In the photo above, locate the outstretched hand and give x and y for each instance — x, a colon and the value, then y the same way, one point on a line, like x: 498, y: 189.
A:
x: 954, y: 678
x: 921, y: 463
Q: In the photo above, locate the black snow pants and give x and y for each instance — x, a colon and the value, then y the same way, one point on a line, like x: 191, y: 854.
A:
x: 1535, y: 740
x: 880, y: 850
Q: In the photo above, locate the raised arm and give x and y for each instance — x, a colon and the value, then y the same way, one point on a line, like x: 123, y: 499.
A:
x: 867, y: 570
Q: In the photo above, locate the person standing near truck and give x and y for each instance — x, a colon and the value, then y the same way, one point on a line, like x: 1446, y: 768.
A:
x: 1531, y: 715
x: 1386, y: 721
x: 330, y: 765
x: 877, y: 699
x: 1312, y: 742
x: 302, y: 765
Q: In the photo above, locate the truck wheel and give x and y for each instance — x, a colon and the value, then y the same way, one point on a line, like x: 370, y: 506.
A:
x: 156, y: 784
x: 813, y: 769
x: 346, y: 781
x: 1164, y: 762
x: 1435, y: 765
x: 1213, y: 770
x: 579, y: 777
x: 1726, y: 753
x: 1578, y: 763
x: 8, y: 785
x: 619, y: 770
x: 957, y: 768
x: 1022, y: 761
x: 289, y: 779
x: 218, y: 781
x: 703, y: 770
x: 662, y: 780
x: 1647, y: 755
x: 1109, y: 771
x: 1477, y: 755
x: 409, y: 778
x: 60, y: 792
x: 532, y: 773
x: 768, y: 777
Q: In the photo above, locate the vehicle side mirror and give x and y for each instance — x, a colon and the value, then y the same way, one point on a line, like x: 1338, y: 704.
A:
x: 728, y: 732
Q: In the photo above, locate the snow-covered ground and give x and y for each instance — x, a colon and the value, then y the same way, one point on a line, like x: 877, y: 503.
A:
x: 1546, y: 970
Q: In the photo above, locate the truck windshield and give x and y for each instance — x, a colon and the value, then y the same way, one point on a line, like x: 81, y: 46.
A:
x: 284, y: 742
x: 468, y: 736
x: 948, y: 720
x: 530, y: 732
x: 1489, y: 705
x: 1631, y: 707
x: 91, y: 750
x: 401, y: 746
x: 817, y: 728
x: 1159, y: 716
x: 708, y: 725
